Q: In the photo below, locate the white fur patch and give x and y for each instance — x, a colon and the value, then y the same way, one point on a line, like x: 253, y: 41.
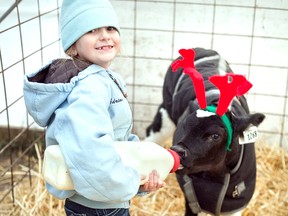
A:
x: 202, y: 113
x: 166, y: 132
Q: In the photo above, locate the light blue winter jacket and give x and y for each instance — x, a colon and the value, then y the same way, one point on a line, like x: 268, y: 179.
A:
x: 85, y: 116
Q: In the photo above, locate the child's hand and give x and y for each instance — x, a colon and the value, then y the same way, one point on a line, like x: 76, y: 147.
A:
x: 153, y: 183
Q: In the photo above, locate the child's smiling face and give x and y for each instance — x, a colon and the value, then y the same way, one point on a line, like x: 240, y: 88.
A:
x: 99, y: 46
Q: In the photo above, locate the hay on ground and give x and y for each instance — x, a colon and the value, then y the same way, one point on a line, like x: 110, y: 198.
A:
x: 270, y: 198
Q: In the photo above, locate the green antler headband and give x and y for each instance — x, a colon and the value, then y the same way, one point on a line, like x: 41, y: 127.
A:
x: 227, y: 124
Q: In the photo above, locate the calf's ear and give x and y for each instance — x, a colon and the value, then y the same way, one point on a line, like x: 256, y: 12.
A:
x: 240, y: 124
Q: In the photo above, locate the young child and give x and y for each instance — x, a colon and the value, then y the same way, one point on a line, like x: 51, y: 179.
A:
x: 84, y: 107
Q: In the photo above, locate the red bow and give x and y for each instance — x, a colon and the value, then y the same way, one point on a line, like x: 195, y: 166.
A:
x: 229, y: 85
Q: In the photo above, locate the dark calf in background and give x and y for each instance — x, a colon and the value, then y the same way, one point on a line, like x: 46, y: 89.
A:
x: 216, y: 176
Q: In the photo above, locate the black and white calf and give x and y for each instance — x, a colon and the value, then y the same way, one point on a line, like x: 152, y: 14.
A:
x: 217, y: 176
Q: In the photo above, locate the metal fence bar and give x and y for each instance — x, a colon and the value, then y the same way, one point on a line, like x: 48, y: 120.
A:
x: 12, y: 7
x: 17, y: 145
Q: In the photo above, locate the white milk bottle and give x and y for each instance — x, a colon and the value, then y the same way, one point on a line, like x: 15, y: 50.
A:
x: 142, y: 156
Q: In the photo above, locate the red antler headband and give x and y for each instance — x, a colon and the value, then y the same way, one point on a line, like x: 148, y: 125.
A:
x: 229, y: 85
x: 187, y: 63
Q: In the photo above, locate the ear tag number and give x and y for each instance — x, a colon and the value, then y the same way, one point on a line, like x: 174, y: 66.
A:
x: 250, y: 135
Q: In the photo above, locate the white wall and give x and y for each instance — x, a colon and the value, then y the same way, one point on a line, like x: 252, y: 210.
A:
x: 252, y: 35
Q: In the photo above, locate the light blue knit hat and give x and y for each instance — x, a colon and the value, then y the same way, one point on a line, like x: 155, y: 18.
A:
x: 79, y: 17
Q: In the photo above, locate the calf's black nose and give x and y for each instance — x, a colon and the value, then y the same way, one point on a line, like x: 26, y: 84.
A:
x: 180, y: 151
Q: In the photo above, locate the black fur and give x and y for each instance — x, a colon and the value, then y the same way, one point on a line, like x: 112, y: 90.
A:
x: 201, y: 142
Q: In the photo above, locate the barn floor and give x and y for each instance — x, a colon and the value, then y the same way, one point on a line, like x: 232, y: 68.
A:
x: 270, y: 198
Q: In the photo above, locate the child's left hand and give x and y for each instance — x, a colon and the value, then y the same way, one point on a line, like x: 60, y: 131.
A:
x: 154, y: 182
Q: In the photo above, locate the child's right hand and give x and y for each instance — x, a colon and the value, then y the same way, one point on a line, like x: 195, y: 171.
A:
x: 153, y: 182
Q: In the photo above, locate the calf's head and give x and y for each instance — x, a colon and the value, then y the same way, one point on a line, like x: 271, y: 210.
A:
x: 201, y: 140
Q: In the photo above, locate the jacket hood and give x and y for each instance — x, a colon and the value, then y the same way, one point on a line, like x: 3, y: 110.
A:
x: 47, y: 88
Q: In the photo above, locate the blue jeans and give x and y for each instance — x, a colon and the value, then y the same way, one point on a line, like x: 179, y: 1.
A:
x: 75, y: 209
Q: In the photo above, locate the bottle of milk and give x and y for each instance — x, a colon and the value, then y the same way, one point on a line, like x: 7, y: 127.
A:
x: 142, y: 156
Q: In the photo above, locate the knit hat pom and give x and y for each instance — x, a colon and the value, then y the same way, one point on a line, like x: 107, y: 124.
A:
x: 79, y: 17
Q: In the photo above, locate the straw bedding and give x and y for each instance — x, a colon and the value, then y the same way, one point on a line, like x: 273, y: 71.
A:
x: 270, y: 198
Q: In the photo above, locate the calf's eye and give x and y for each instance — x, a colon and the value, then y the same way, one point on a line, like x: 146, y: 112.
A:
x: 215, y: 137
